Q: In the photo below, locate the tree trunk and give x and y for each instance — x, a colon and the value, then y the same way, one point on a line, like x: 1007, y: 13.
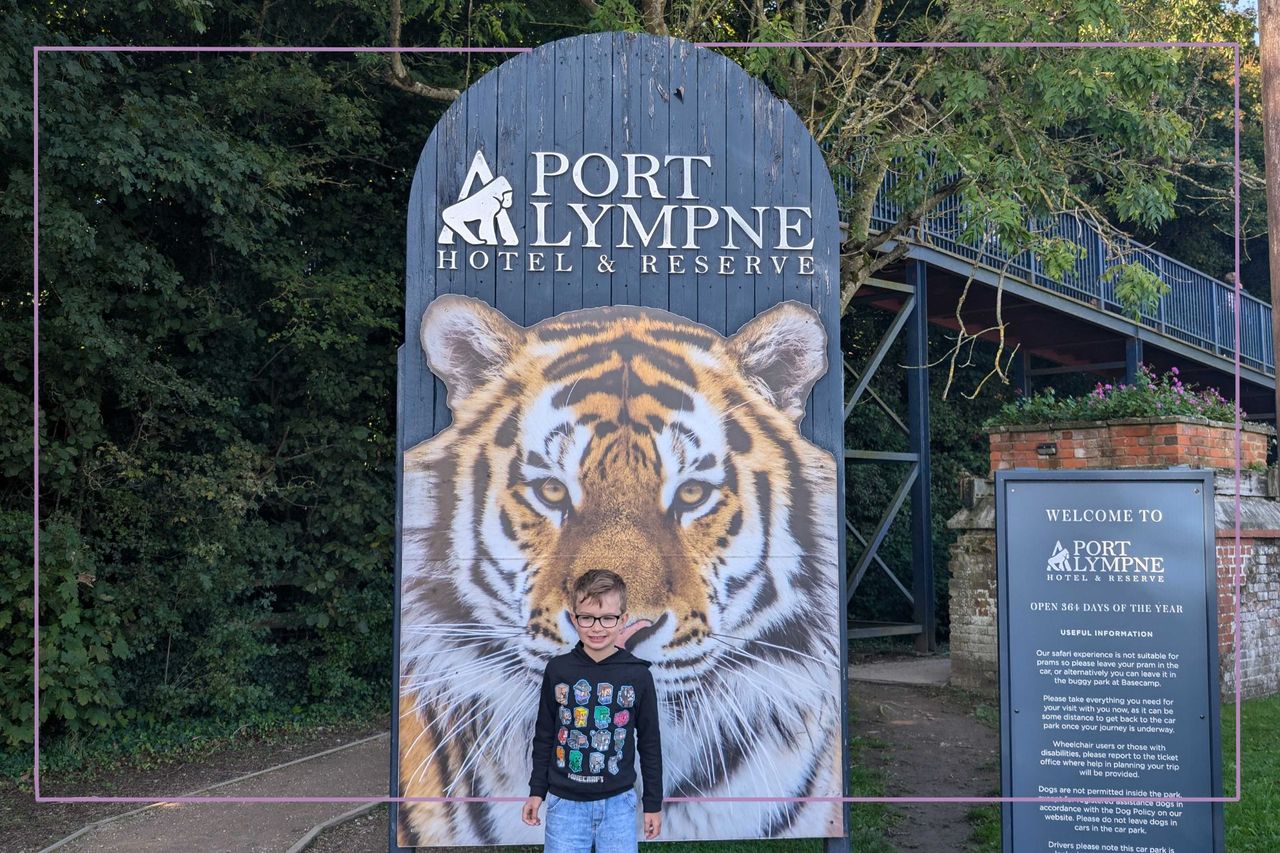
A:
x: 1269, y: 39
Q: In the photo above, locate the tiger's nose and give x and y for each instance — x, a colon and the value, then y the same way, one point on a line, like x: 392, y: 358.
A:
x: 649, y: 637
x: 627, y: 551
x: 634, y: 626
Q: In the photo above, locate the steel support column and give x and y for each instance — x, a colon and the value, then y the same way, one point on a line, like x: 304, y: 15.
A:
x: 1022, y: 373
x: 1132, y: 359
x: 917, y: 366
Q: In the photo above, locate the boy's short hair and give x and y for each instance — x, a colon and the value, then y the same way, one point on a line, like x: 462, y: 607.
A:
x: 594, y: 584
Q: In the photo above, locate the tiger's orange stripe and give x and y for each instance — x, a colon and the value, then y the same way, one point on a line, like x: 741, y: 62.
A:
x: 430, y: 823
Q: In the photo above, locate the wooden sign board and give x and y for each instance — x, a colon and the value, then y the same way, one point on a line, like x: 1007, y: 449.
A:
x: 622, y: 351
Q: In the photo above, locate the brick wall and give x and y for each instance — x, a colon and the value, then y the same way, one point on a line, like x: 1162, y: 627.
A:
x: 1127, y: 443
x: 1259, y: 613
x: 974, y: 652
x: 972, y: 589
x: 1133, y: 443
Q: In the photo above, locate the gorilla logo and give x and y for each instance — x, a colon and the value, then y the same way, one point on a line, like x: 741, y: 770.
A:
x: 487, y: 206
x: 1060, y: 560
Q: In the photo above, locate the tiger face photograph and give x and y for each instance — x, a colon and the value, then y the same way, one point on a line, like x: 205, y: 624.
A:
x: 634, y: 440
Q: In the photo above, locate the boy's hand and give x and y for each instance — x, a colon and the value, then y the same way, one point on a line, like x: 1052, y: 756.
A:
x: 529, y: 812
x: 652, y: 825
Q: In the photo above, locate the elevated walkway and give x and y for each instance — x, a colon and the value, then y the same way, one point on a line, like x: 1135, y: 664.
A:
x: 1077, y: 322
x: 1070, y: 324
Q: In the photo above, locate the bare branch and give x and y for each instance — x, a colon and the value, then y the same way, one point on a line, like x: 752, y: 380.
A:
x: 911, y: 217
x: 262, y: 20
x: 654, y: 15
x: 400, y: 77
x: 965, y: 340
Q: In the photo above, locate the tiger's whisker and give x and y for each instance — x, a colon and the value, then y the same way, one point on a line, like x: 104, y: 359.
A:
x: 790, y: 673
x: 497, y: 728
x: 418, y: 685
x: 473, y: 662
x: 494, y: 630
x: 454, y: 698
x: 488, y: 626
x: 696, y: 724
x: 704, y: 734
x: 470, y: 714
x: 507, y: 700
x: 719, y: 634
x: 742, y: 732
x: 484, y: 664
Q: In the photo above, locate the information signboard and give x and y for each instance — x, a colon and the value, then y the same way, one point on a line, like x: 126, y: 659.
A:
x: 1108, y: 660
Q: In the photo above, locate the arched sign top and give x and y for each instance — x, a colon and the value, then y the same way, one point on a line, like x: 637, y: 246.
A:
x: 621, y: 168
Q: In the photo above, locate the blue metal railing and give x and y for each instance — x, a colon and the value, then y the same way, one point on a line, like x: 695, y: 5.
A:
x: 1196, y: 310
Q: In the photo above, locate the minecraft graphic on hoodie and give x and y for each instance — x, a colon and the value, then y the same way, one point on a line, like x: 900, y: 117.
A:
x: 590, y: 707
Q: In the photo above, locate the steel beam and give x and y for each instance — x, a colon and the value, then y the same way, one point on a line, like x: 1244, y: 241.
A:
x: 886, y: 284
x: 862, y: 629
x: 1085, y: 311
x: 1132, y: 359
x: 878, y: 456
x: 1077, y: 368
x: 1022, y: 373
x: 923, y: 605
x: 882, y: 529
x: 862, y: 540
x: 879, y: 401
x: 891, y: 335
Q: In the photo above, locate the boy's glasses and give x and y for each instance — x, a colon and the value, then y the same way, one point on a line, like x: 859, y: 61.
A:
x: 605, y: 621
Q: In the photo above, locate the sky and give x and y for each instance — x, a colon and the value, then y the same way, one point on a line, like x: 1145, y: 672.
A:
x: 1250, y: 6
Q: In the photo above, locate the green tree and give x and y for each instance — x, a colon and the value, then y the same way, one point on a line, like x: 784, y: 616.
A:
x: 1201, y: 233
x: 1010, y: 137
x: 221, y: 274
x: 222, y: 249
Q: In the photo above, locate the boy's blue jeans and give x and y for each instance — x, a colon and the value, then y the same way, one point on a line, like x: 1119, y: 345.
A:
x: 572, y: 825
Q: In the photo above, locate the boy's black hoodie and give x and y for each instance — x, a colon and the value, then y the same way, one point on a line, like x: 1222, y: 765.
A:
x: 584, y: 703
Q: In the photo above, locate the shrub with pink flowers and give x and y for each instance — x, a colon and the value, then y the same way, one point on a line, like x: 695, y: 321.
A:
x: 1150, y: 396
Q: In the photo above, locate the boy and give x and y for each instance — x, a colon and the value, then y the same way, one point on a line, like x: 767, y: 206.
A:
x: 598, y: 709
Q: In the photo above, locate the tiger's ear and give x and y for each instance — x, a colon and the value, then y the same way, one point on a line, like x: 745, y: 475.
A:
x: 783, y: 352
x: 467, y: 343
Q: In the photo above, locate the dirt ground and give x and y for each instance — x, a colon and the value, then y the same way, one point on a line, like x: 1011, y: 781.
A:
x: 28, y: 825
x: 935, y: 747
x: 365, y: 834
x: 934, y: 744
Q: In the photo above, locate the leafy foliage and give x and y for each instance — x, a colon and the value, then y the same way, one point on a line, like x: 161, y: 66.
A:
x: 1202, y: 233
x: 1137, y: 288
x: 1004, y: 141
x: 221, y: 267
x: 1149, y: 396
x: 222, y: 245
x: 81, y: 763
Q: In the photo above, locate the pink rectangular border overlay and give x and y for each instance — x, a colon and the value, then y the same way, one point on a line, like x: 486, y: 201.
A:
x: 1236, y: 560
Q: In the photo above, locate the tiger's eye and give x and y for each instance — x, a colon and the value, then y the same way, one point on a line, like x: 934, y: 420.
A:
x: 552, y: 491
x: 692, y: 493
